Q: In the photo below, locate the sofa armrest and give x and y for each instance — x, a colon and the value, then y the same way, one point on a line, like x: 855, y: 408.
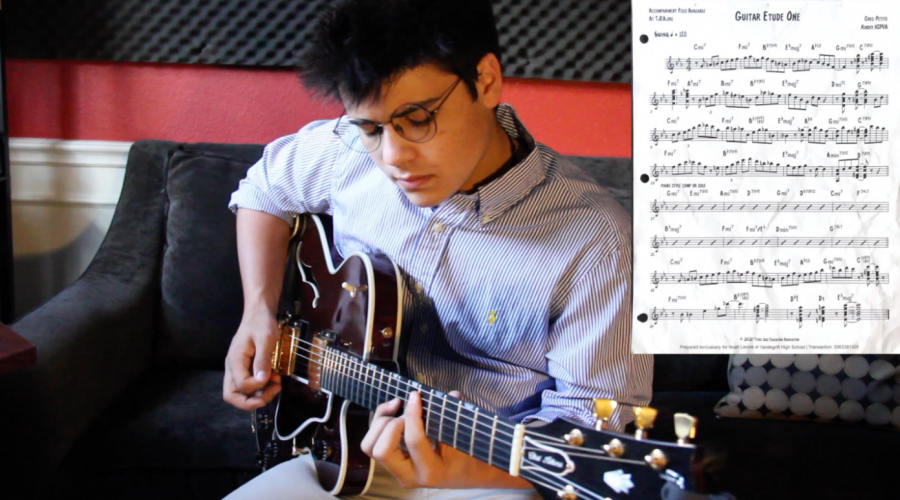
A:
x: 95, y: 338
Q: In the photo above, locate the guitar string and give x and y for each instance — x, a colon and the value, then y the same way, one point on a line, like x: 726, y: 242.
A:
x: 601, y: 455
x: 559, y: 443
x: 407, y: 390
x: 546, y: 480
x: 550, y: 441
x: 487, y: 448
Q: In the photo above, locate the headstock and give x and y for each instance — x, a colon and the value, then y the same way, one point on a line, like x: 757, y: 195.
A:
x: 570, y: 462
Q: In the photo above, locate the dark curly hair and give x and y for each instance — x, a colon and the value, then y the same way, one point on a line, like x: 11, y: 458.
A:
x: 359, y: 45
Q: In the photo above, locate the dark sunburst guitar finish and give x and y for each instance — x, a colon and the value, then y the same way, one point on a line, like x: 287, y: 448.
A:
x: 338, y: 352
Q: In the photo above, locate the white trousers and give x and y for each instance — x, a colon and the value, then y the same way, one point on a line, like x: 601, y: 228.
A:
x: 296, y: 480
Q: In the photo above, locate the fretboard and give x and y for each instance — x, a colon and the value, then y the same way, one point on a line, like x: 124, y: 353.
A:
x: 462, y: 425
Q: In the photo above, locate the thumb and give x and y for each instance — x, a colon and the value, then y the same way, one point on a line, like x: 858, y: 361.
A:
x: 262, y: 361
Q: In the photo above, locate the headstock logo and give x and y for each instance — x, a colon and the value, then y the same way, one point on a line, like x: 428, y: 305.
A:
x: 539, y: 456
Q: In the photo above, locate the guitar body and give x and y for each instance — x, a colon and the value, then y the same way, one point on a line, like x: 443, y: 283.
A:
x: 338, y: 352
x: 329, y: 303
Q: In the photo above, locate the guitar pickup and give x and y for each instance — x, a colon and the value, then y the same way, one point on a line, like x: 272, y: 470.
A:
x: 284, y: 357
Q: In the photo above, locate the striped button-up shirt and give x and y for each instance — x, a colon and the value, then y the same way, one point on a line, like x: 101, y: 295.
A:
x: 521, y: 291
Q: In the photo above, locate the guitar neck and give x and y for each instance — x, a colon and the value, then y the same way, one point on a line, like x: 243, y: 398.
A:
x: 462, y: 425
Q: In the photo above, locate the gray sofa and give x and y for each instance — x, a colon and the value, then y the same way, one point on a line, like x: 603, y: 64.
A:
x: 125, y: 401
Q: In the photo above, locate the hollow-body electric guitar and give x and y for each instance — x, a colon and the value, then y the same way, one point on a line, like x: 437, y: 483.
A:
x: 338, y: 351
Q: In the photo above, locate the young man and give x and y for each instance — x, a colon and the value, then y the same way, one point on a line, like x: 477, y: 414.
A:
x: 524, y: 259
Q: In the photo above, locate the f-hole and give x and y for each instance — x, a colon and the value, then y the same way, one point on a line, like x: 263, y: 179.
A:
x: 306, y: 272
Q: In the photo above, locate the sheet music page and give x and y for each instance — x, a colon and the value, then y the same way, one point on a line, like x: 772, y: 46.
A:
x: 766, y: 176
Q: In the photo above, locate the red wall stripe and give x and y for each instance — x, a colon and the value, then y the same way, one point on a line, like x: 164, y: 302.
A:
x: 196, y: 103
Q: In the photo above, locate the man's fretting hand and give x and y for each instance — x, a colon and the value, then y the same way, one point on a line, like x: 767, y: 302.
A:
x: 421, y: 465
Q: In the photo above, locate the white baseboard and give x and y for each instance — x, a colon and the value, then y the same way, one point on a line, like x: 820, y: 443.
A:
x: 55, y: 171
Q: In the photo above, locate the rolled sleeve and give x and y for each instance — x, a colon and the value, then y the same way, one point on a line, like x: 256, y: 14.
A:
x: 294, y: 174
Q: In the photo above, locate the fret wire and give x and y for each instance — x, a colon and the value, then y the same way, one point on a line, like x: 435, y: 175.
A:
x: 354, y: 382
x: 472, y: 434
x: 455, y: 430
x: 380, y: 388
x: 427, y: 411
x: 493, y: 438
x: 344, y: 377
x: 361, y: 386
x: 441, y: 422
x: 359, y: 382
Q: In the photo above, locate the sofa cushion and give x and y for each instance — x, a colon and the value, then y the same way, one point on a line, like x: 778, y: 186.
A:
x: 175, y: 420
x: 201, y: 298
x: 828, y: 388
x: 612, y: 173
x: 170, y: 436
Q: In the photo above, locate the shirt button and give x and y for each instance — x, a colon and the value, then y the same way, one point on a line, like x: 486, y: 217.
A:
x: 423, y: 328
x: 419, y: 287
x: 438, y: 227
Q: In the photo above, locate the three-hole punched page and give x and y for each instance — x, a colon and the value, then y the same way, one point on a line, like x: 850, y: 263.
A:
x: 766, y: 145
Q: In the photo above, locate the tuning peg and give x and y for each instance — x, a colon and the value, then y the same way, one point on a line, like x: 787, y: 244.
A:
x: 657, y: 459
x: 644, y: 416
x: 567, y: 493
x: 615, y: 448
x: 575, y: 437
x: 603, y: 410
x: 685, y: 427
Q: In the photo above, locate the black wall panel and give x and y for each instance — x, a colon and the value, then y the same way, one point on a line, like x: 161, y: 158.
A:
x: 587, y: 40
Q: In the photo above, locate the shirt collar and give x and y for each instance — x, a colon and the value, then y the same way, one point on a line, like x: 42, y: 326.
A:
x: 504, y: 192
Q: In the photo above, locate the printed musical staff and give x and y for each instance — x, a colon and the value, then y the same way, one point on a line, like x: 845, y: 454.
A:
x: 759, y: 168
x: 812, y: 135
x: 870, y: 276
x: 764, y: 171
x: 769, y: 206
x: 768, y: 241
x: 848, y: 314
x: 872, y: 61
x: 792, y: 101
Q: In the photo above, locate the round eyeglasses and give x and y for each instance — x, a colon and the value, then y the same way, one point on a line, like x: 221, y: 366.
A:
x: 413, y: 122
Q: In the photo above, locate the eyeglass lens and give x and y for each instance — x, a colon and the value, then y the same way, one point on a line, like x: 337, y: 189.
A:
x: 412, y: 122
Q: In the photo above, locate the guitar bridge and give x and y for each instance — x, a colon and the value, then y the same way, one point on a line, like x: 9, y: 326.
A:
x: 284, y: 357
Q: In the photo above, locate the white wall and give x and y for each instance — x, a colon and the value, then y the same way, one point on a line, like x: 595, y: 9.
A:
x: 64, y: 194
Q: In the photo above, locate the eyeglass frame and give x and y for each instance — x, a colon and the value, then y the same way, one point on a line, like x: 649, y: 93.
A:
x: 380, y: 125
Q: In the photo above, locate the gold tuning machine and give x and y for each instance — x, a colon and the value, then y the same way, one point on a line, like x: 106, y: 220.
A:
x: 615, y: 448
x: 657, y: 459
x: 685, y: 427
x: 603, y: 410
x: 567, y: 493
x: 644, y: 416
x: 575, y: 438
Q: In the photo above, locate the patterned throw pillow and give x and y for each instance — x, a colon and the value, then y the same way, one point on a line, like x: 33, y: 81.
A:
x: 826, y: 387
